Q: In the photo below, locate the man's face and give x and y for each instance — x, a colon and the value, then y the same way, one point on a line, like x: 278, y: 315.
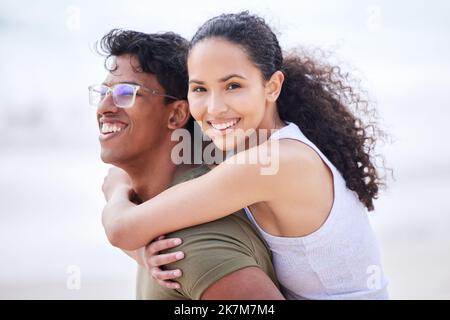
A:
x: 142, y: 127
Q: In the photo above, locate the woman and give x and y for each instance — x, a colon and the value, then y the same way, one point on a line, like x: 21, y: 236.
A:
x: 311, y: 211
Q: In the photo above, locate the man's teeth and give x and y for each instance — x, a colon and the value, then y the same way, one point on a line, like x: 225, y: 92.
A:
x: 225, y: 125
x: 112, y: 127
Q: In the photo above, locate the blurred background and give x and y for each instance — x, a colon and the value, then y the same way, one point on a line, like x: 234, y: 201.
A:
x: 52, y: 244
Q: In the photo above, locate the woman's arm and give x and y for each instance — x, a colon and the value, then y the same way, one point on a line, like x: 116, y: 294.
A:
x: 140, y: 255
x: 136, y: 256
x: 229, y: 187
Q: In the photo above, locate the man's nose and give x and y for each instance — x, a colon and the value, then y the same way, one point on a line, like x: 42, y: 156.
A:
x: 216, y: 105
x: 107, y: 105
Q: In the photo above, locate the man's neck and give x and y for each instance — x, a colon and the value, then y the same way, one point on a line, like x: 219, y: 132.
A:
x: 153, y: 174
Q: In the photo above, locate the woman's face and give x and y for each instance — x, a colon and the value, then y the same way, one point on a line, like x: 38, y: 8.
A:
x: 227, y: 93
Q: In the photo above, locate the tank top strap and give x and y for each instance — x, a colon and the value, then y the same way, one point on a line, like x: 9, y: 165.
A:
x: 292, y: 131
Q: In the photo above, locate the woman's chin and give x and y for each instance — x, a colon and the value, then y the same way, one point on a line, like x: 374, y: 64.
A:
x: 221, y: 145
x: 229, y: 144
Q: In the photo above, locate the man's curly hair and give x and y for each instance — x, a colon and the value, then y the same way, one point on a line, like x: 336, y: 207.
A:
x: 160, y: 54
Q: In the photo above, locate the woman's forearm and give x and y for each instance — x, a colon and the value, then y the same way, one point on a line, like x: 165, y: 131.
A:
x: 189, y: 203
x: 116, y: 222
x: 136, y: 256
x: 129, y: 227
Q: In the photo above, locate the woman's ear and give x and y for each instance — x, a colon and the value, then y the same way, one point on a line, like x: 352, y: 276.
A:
x: 179, y: 114
x: 274, y: 85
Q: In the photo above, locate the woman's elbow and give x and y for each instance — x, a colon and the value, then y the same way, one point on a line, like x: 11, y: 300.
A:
x: 118, y: 236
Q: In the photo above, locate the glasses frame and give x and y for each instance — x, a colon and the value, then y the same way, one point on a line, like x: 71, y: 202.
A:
x: 135, y: 87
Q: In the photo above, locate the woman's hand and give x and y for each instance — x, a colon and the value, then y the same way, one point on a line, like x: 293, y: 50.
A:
x: 153, y: 260
x: 117, y: 180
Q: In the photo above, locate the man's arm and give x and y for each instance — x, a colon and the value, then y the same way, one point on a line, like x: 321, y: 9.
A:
x: 250, y: 283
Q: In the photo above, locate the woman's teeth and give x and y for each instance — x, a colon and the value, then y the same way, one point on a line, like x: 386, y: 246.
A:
x: 112, y: 127
x: 224, y: 125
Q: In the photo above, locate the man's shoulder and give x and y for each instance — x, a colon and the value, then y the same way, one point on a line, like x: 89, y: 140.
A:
x: 235, y: 227
x: 211, y: 251
x: 190, y: 173
x: 215, y: 249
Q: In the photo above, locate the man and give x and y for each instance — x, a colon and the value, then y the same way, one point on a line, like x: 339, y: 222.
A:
x: 140, y: 104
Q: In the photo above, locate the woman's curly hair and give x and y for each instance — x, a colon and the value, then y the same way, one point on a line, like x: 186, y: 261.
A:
x: 315, y: 96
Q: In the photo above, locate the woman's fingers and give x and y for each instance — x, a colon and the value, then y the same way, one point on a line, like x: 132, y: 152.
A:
x: 163, y: 277
x: 159, y: 274
x: 168, y: 284
x: 154, y: 260
x: 163, y: 259
x: 161, y: 244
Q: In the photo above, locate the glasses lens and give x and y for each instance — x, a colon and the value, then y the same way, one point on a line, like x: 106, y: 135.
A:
x: 97, y: 94
x: 123, y: 95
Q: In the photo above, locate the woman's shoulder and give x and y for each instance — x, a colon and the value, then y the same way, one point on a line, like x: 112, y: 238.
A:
x: 285, y: 165
x: 288, y: 155
x: 299, y: 168
x: 294, y: 156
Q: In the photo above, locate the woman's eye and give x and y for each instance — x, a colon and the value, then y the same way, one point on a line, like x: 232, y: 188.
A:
x: 198, y: 89
x: 232, y: 86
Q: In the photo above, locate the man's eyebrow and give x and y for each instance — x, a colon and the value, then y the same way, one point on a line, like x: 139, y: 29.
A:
x: 224, y: 79
x: 124, y: 82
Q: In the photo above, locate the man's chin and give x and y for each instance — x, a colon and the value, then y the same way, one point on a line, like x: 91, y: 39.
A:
x: 110, y: 157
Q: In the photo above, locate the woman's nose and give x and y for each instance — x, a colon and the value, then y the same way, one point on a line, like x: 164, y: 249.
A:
x: 216, y: 105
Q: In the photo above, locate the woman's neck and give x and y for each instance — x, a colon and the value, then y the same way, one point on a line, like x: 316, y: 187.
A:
x: 270, y: 123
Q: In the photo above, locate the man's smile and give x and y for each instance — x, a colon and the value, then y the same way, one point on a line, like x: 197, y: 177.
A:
x: 110, y: 129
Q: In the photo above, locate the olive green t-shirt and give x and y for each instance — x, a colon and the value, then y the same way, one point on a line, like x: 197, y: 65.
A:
x: 212, y: 251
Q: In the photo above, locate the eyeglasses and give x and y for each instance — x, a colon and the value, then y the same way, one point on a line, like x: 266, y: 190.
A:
x: 123, y: 94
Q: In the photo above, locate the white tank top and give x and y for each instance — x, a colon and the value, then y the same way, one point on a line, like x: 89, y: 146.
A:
x: 341, y: 259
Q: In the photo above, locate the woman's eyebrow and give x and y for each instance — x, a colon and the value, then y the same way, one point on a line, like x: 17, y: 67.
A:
x: 228, y: 77
x: 196, y: 81
x: 223, y: 79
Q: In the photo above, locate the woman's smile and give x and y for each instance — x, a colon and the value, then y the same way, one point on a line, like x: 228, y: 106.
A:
x: 223, y: 127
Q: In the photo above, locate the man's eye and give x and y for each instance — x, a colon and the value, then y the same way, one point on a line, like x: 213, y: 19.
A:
x: 232, y: 86
x: 198, y: 89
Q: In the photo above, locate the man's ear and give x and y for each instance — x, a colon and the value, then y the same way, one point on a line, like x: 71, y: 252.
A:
x: 179, y: 114
x: 274, y: 85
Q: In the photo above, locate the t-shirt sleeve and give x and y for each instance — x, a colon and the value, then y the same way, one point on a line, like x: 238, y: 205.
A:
x: 148, y: 289
x: 214, y: 250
